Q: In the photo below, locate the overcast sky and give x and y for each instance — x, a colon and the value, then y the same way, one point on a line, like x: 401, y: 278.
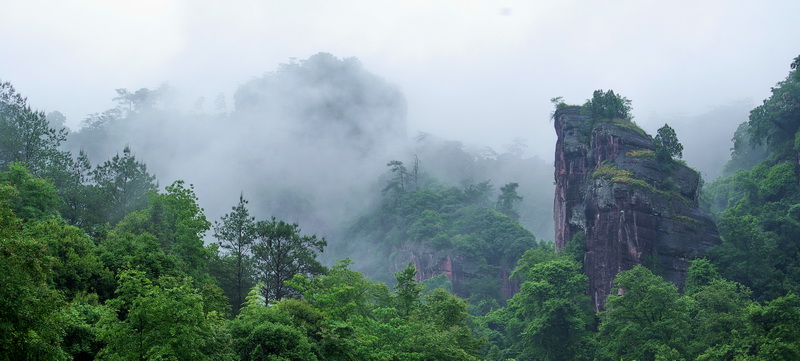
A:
x: 477, y: 71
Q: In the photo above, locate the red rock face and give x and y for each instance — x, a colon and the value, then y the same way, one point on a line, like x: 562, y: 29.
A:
x: 632, y: 211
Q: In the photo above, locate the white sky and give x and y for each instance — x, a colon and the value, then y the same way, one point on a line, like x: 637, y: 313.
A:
x: 477, y: 71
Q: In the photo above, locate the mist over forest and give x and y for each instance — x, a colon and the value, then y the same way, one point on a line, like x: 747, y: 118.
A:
x: 307, y: 142
x: 193, y: 180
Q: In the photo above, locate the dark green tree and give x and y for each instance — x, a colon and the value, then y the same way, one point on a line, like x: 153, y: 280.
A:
x: 507, y: 199
x: 161, y: 320
x: 555, y: 310
x: 30, y: 327
x: 281, y: 252
x: 608, y: 105
x: 236, y: 233
x: 123, y: 184
x: 667, y: 144
x: 25, y: 134
x: 398, y: 183
x: 775, y: 123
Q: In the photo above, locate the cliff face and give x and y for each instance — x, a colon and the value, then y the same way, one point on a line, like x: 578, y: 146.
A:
x: 625, y: 207
x: 458, y: 268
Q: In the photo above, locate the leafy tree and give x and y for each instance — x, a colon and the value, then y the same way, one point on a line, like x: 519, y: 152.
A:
x: 162, y: 319
x: 268, y: 333
x: 644, y: 318
x: 667, y: 144
x: 342, y: 293
x: 82, y: 326
x: 37, y: 198
x: 123, y: 184
x: 553, y: 303
x: 236, y: 232
x: 77, y: 267
x: 506, y: 200
x: 775, y: 122
x: 80, y: 201
x: 281, y: 252
x: 30, y: 326
x: 407, y: 291
x: 178, y: 224
x: 25, y: 134
x: 398, y: 183
x: 607, y: 105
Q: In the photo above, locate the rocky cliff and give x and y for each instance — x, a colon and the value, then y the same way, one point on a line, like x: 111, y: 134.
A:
x: 620, y: 206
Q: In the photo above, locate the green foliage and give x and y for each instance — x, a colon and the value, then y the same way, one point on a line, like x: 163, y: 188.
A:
x: 37, y: 198
x: 775, y: 122
x: 236, y: 233
x: 30, y: 326
x: 759, y: 226
x: 641, y: 153
x: 344, y: 316
x: 77, y: 267
x: 161, y: 319
x: 607, y: 105
x: 26, y: 135
x: 407, y: 291
x: 457, y: 223
x: 667, y: 144
x: 178, y: 224
x: 553, y: 303
x: 644, y: 318
x: 82, y: 326
x: 700, y: 274
x: 281, y: 252
x: 506, y: 200
x: 123, y: 184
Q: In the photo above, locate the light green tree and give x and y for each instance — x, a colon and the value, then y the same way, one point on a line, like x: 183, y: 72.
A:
x: 644, y: 318
x: 161, y: 320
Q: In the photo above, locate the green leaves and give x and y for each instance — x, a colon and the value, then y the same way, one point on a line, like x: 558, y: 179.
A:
x: 608, y: 105
x: 775, y: 122
x: 644, y: 317
x: 160, y: 319
x: 30, y: 325
x: 667, y: 144
x: 280, y: 253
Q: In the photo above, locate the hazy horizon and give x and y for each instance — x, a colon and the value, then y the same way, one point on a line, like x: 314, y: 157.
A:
x: 478, y: 72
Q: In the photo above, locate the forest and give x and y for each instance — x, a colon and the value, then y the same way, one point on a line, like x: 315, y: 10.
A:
x: 347, y: 243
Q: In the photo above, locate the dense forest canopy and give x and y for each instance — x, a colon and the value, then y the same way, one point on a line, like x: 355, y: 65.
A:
x: 428, y: 250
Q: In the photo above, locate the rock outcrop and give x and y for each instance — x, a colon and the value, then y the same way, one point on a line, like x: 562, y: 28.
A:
x: 621, y: 206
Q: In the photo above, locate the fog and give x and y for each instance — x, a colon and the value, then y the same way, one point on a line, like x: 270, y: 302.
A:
x: 477, y: 72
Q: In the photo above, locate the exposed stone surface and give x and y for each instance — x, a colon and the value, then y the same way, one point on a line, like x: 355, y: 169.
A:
x: 458, y: 268
x: 628, y: 208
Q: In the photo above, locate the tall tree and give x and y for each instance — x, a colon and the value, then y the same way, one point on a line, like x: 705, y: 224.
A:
x: 776, y: 122
x: 607, y: 105
x: 30, y: 328
x: 25, y: 134
x: 553, y: 304
x: 644, y: 318
x: 236, y: 233
x: 280, y: 253
x: 123, y: 183
x: 507, y: 199
x: 161, y: 320
x: 407, y: 290
x: 178, y: 224
x: 667, y: 144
